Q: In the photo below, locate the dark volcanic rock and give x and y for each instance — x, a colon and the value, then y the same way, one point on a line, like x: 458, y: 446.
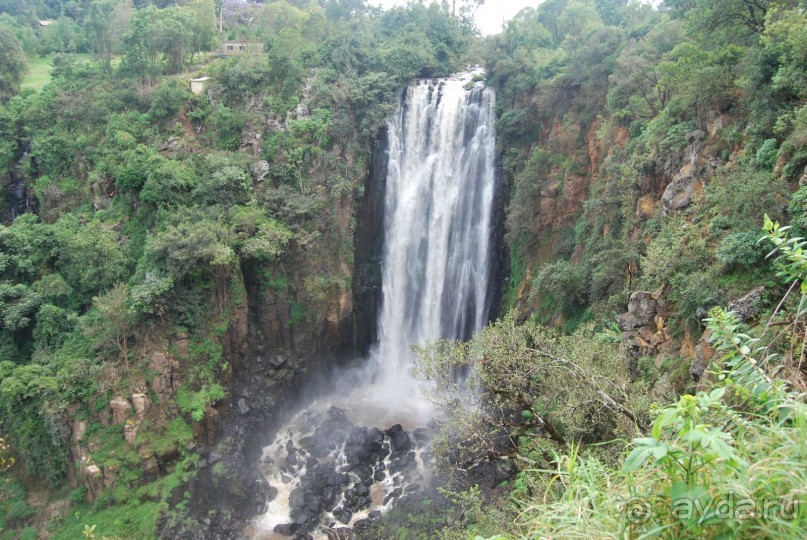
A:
x: 399, y: 439
x: 286, y: 529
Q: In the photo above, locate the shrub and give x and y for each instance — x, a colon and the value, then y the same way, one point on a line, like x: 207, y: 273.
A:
x: 741, y: 249
x: 766, y: 154
x: 565, y: 282
x: 78, y: 495
x: 168, y: 100
x: 19, y: 512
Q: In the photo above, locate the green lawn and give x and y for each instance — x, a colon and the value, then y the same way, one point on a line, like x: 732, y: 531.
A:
x: 39, y: 68
x: 38, y: 75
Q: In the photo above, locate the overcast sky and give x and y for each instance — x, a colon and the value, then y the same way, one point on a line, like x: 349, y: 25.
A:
x: 489, y: 17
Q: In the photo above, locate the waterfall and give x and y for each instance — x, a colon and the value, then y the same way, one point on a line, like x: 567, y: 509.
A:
x: 439, y: 197
x: 326, y: 467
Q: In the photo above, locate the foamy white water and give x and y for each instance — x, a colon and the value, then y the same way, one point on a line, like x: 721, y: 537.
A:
x: 435, y: 275
x: 439, y: 197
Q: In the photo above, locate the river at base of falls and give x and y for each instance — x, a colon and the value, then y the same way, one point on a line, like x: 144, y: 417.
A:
x: 347, y: 458
x: 341, y: 462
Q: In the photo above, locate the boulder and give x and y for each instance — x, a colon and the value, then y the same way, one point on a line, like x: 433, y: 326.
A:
x: 680, y: 194
x: 286, y: 529
x: 642, y: 309
x: 260, y: 170
x: 747, y: 306
x: 704, y: 353
x: 93, y: 471
x: 120, y: 409
x: 399, y: 439
x: 643, y: 326
x: 277, y: 361
x: 151, y: 466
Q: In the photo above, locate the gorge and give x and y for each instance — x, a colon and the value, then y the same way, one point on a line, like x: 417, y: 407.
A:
x: 226, y: 223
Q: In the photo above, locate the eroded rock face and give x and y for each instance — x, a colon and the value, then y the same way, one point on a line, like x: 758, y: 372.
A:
x: 260, y: 170
x: 120, y: 409
x: 165, y: 382
x: 141, y: 404
x: 745, y: 308
x: 643, y: 326
x: 680, y: 194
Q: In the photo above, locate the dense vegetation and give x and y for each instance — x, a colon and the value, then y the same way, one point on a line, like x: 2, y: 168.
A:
x: 145, y: 204
x: 642, y: 148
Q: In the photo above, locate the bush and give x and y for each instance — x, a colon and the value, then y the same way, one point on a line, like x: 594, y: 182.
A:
x: 19, y: 512
x: 766, y: 154
x: 78, y: 496
x: 566, y: 283
x: 741, y: 249
x: 168, y: 100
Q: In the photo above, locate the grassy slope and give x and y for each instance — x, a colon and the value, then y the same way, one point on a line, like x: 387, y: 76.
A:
x: 40, y: 67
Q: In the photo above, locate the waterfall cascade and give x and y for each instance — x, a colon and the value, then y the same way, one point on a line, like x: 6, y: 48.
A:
x: 326, y: 471
x: 439, y: 198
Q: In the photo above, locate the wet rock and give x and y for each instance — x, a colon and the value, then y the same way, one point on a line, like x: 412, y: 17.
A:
x: 399, y: 439
x: 343, y: 515
x: 421, y: 435
x: 277, y: 361
x: 243, y: 407
x: 314, y: 506
x: 394, y: 494
x: 361, y: 490
x: 297, y: 498
x: 287, y: 529
x: 402, y: 463
x: 342, y: 533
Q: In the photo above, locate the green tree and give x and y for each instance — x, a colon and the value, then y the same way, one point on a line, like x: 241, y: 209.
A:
x: 12, y: 64
x: 106, y: 22
x: 113, y: 322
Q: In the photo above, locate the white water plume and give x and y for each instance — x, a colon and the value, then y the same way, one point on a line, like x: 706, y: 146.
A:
x: 439, y: 197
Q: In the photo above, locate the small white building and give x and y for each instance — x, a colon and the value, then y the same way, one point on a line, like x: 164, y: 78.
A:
x: 198, y: 86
